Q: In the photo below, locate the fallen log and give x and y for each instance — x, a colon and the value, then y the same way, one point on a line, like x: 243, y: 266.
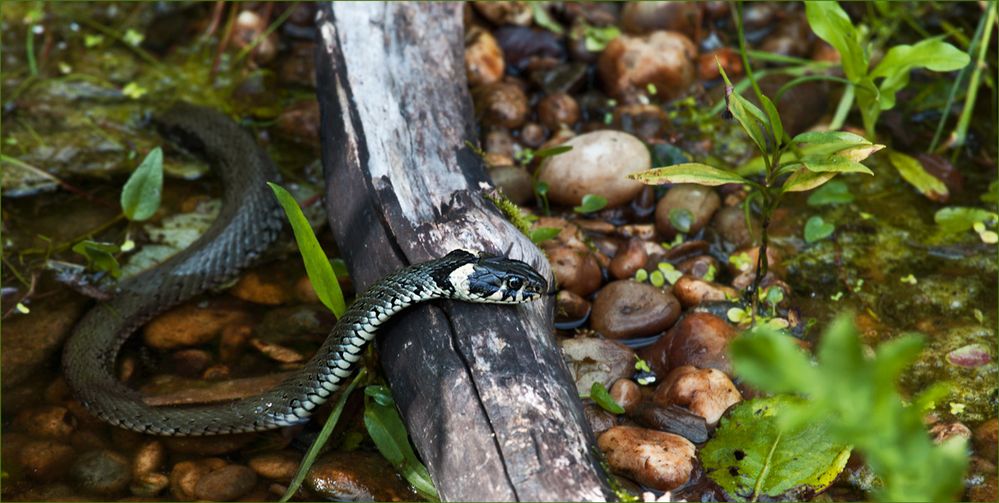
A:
x: 483, y: 390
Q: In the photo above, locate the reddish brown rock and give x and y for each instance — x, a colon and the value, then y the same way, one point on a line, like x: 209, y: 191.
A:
x: 699, y: 339
x: 625, y: 309
x: 662, y: 58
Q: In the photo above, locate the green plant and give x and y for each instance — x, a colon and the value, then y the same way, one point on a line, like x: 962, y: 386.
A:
x: 853, y: 389
x: 797, y: 164
x: 381, y: 419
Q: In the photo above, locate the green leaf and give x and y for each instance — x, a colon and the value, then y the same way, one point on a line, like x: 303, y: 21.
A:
x: 669, y: 272
x: 600, y: 395
x: 657, y: 279
x: 835, y: 192
x: 380, y: 394
x: 991, y: 195
x: 551, y: 152
x: 681, y: 219
x: 591, y: 203
x: 100, y: 256
x: 754, y: 456
x: 956, y: 219
x: 777, y: 127
x: 542, y: 234
x: 817, y: 229
x: 803, y: 180
x: 597, y: 38
x: 933, y: 54
x: 913, y: 172
x: 824, y: 137
x: 140, y: 197
x: 389, y: 435
x: 691, y: 172
x: 749, y: 116
x: 834, y: 164
x: 544, y: 20
x: 831, y: 23
x: 771, y: 361
x: 317, y: 266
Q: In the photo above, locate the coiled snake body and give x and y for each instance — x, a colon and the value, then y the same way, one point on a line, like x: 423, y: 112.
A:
x: 249, y: 222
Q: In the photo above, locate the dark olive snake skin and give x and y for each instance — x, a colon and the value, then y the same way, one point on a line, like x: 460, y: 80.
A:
x: 249, y: 222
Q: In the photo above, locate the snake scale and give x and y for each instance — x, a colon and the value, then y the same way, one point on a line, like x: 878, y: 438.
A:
x: 249, y: 222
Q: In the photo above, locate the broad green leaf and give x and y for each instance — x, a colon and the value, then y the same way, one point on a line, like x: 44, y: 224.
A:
x: 140, y: 197
x: 992, y: 194
x: 957, y: 219
x: 817, y: 229
x: 838, y: 137
x: 913, y: 172
x: 933, y: 54
x: 681, y: 219
x: 691, y: 172
x: 860, y: 152
x: 834, y: 164
x: 544, y: 20
x: 597, y: 38
x: 831, y: 23
x: 807, y: 150
x: 591, y: 203
x: 771, y: 361
x: 754, y: 456
x: 317, y: 266
x: 100, y: 256
x: 777, y: 127
x: 657, y: 279
x: 835, y: 192
x: 542, y: 234
x: 380, y: 394
x: 749, y: 116
x: 553, y: 151
x: 389, y: 435
x: 600, y: 395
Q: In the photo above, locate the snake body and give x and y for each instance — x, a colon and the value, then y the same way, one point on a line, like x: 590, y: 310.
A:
x: 249, y: 222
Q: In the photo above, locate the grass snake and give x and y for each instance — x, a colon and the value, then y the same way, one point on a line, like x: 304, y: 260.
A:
x: 249, y: 222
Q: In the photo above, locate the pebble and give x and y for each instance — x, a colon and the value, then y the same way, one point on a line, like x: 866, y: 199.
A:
x: 597, y: 164
x: 570, y: 309
x: 600, y: 420
x: 483, y: 58
x: 731, y: 61
x: 671, y: 419
x: 593, y: 360
x: 664, y: 59
x: 278, y: 466
x: 277, y: 352
x: 626, y: 393
x: 185, y: 475
x: 533, y: 135
x: 212, y: 445
x: 629, y: 259
x: 500, y: 104
x: 299, y: 122
x: 225, y: 484
x: 575, y: 269
x: 730, y: 223
x: 51, y: 422
x: 791, y: 37
x: 189, y: 325
x: 102, y: 471
x: 705, y: 392
x: 501, y: 13
x: 45, y: 460
x: 357, y: 476
x: 699, y: 339
x: 558, y: 110
x: 514, y: 181
x: 248, y: 29
x: 148, y: 458
x: 626, y: 309
x: 655, y: 459
x: 149, y: 485
x: 942, y: 432
x: 696, y: 202
x: 299, y: 68
x: 698, y: 266
x: 646, y: 121
x: 645, y: 17
x: 31, y: 341
x: 255, y: 287
x: 986, y: 438
x: 691, y: 291
x: 523, y: 46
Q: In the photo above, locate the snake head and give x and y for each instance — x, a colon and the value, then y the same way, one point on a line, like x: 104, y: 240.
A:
x: 492, y: 279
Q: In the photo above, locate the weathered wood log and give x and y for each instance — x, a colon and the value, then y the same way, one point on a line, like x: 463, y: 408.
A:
x: 484, y: 391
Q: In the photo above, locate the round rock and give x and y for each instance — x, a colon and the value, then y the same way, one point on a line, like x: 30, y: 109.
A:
x: 598, y: 163
x: 699, y: 339
x: 225, y: 484
x: 664, y: 59
x: 625, y: 309
x: 689, y: 205
x: 102, y: 471
x: 656, y: 459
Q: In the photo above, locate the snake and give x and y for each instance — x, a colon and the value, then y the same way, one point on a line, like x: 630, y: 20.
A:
x: 249, y: 222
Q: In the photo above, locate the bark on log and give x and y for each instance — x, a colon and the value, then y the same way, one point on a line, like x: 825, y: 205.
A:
x: 484, y: 391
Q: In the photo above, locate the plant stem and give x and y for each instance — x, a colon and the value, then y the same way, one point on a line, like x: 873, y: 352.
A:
x: 976, y: 39
x: 845, y: 103
x: 961, y: 132
x: 744, y: 52
x: 29, y: 49
x: 324, y: 434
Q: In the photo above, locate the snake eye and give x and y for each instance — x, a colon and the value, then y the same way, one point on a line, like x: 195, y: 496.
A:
x: 515, y: 283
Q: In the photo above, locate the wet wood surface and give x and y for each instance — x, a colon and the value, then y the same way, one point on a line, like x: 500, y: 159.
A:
x: 483, y: 390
